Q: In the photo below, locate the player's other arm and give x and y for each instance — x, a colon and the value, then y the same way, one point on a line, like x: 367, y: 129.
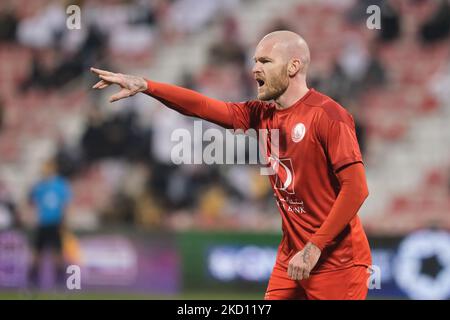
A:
x: 352, y: 195
x: 349, y: 200
x: 185, y: 101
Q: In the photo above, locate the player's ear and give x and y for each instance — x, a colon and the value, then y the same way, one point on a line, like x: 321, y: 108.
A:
x: 294, y: 67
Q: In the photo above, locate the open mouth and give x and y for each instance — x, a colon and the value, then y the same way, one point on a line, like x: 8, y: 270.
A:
x: 260, y: 82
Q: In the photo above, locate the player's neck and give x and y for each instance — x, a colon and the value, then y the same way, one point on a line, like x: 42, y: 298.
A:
x: 295, y: 91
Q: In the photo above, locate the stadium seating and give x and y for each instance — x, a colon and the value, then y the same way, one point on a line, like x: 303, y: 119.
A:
x: 407, y: 156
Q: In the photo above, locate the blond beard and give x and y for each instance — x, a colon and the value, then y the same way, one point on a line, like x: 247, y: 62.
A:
x: 279, y: 86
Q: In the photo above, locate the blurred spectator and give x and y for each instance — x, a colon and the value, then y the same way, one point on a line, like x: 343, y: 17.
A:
x: 39, y: 74
x: 229, y: 54
x: 8, y: 24
x: 228, y: 49
x: 187, y: 80
x: 68, y: 160
x: 276, y: 25
x: 437, y: 27
x: 337, y: 85
x: 119, y: 136
x: 354, y: 58
x: 448, y: 183
x: 133, y: 199
x: 8, y: 211
x: 212, y: 203
x: 120, y: 211
x: 74, y: 64
x: 356, y: 69
x: 358, y: 112
x: 358, y: 13
x: 390, y: 22
x: 149, y: 211
x: 41, y: 29
x: 147, y: 13
x: 1, y: 114
x: 50, y: 197
x: 188, y: 16
x: 55, y: 68
x: 93, y: 140
x: 375, y: 74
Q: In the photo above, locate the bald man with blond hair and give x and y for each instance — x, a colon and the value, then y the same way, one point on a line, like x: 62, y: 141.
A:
x: 319, y: 180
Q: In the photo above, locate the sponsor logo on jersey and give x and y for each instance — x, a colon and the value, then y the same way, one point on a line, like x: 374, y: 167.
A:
x: 284, y: 175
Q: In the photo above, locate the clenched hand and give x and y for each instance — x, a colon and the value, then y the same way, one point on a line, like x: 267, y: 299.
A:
x: 303, y: 262
x: 130, y: 85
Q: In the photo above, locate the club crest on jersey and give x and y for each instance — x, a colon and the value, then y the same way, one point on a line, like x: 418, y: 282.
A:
x: 298, y: 132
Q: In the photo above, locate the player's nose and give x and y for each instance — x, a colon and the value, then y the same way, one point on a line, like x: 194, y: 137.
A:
x: 256, y: 68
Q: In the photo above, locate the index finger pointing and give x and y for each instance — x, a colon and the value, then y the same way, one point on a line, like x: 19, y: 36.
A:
x: 101, y: 72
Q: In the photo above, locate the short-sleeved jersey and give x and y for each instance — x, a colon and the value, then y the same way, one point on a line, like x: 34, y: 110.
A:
x: 51, y: 197
x: 316, y: 139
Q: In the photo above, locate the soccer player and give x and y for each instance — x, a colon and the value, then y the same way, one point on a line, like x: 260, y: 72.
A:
x: 319, y: 184
x: 50, y: 197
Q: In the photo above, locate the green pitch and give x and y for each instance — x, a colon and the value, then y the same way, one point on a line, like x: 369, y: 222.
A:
x: 15, y: 295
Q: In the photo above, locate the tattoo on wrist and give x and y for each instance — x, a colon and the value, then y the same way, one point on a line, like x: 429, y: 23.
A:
x: 307, y: 253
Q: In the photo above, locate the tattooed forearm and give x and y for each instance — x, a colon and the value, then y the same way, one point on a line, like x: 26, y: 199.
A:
x: 135, y: 84
x: 307, y: 253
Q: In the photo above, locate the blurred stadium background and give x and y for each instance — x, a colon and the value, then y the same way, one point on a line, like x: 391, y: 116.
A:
x: 141, y: 227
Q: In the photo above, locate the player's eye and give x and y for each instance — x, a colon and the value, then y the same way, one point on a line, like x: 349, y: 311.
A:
x: 263, y: 61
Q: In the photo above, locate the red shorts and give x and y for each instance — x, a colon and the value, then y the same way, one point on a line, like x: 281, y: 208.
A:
x: 345, y: 284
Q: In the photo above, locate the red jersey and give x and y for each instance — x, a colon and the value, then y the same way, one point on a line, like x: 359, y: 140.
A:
x: 316, y: 138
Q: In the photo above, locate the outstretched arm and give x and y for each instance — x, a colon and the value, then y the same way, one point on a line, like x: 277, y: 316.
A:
x: 185, y: 101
